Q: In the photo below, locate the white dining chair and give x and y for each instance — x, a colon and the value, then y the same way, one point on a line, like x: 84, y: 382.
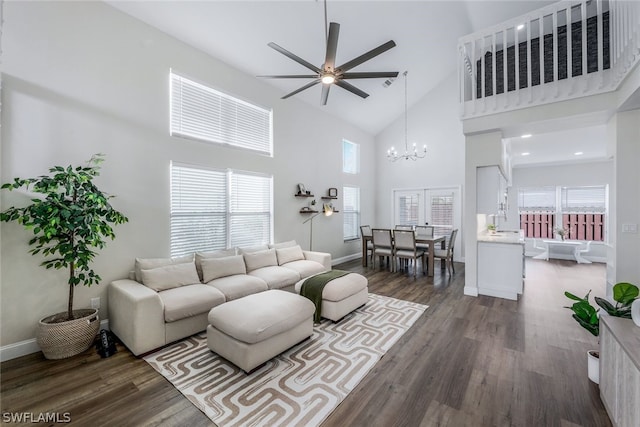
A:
x: 382, y: 245
x: 580, y: 251
x: 404, y: 248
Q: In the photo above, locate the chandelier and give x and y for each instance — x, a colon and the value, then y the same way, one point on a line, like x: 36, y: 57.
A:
x: 392, y: 153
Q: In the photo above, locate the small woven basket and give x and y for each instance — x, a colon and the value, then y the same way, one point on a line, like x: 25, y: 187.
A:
x: 59, y: 340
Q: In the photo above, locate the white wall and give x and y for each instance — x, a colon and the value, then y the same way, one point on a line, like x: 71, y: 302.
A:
x: 81, y: 78
x: 582, y: 174
x: 434, y: 121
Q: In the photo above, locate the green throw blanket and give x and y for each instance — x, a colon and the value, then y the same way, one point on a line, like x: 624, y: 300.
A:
x: 313, y: 286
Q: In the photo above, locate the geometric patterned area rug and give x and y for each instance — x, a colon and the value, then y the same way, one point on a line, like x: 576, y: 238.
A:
x: 300, y: 387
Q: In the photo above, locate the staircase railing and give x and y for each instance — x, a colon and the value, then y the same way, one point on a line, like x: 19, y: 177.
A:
x: 566, y: 50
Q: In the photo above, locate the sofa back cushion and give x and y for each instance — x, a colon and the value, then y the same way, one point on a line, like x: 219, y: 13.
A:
x: 281, y: 245
x: 151, y: 263
x: 214, y: 268
x: 170, y: 276
x: 286, y: 255
x: 252, y: 249
x: 223, y: 253
x: 256, y: 260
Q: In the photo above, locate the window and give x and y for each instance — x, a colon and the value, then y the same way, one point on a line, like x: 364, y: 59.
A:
x: 580, y: 210
x: 442, y: 214
x: 409, y: 209
x: 350, y: 157
x: 216, y: 209
x: 351, y: 212
x: 205, y: 114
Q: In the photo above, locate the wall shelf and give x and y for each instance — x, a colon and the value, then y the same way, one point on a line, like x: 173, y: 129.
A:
x: 329, y: 198
x: 303, y: 195
x: 305, y: 211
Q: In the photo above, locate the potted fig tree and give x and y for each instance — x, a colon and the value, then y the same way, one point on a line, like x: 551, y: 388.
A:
x: 588, y: 316
x: 70, y: 218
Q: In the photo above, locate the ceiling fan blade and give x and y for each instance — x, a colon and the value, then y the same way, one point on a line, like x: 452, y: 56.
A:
x: 351, y: 88
x: 292, y: 76
x: 325, y: 94
x: 367, y: 56
x: 307, y: 86
x: 296, y: 58
x: 370, y: 75
x: 332, y: 46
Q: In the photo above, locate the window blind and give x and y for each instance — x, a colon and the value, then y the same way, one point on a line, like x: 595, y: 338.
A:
x: 541, y: 199
x: 408, y: 209
x: 217, y: 209
x: 442, y: 214
x: 351, y: 212
x: 584, y: 199
x: 203, y: 113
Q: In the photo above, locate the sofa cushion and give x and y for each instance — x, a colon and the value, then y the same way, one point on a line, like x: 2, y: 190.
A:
x: 252, y: 249
x: 255, y: 260
x: 223, y: 253
x: 281, y: 245
x: 276, y: 277
x: 150, y: 263
x: 292, y: 253
x: 213, y: 268
x: 305, y: 268
x: 170, y: 276
x: 273, y: 312
x: 238, y: 286
x: 189, y: 301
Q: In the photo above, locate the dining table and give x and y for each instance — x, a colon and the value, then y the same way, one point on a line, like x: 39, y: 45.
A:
x: 431, y: 241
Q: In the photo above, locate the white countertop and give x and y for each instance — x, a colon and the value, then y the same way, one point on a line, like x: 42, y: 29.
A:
x: 510, y: 237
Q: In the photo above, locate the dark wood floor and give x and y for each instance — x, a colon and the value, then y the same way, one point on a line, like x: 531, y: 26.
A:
x: 466, y: 362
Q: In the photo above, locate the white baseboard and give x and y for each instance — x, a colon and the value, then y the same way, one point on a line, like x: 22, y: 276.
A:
x: 471, y: 291
x: 22, y: 348
x: 499, y: 293
x: 346, y: 258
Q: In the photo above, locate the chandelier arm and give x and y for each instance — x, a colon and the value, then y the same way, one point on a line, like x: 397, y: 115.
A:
x: 392, y: 154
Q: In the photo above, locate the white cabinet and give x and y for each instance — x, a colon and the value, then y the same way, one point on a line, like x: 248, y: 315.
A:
x: 500, y: 269
x: 491, y: 190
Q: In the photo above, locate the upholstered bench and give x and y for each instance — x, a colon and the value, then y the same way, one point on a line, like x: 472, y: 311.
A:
x: 342, y: 295
x: 251, y: 330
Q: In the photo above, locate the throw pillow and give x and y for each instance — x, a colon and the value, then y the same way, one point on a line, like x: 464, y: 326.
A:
x: 223, y: 253
x: 256, y: 260
x: 214, y: 268
x: 151, y: 263
x: 286, y: 255
x: 170, y: 276
x: 289, y: 244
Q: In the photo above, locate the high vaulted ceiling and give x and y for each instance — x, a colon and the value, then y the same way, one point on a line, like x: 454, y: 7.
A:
x: 426, y: 33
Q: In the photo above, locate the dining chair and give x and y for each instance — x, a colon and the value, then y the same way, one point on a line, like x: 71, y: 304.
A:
x: 579, y: 258
x: 382, y: 245
x: 447, y: 252
x: 404, y: 227
x: 365, y: 231
x: 545, y: 250
x: 404, y: 248
x: 424, y: 231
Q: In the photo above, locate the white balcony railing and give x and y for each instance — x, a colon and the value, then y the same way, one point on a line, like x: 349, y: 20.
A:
x: 567, y: 50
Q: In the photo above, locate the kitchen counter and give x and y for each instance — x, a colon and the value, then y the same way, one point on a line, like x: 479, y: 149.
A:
x: 508, y: 237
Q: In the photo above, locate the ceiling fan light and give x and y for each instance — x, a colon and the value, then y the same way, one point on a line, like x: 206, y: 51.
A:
x: 328, y: 79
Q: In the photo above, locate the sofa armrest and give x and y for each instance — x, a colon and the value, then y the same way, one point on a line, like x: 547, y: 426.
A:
x: 136, y: 315
x: 323, y: 258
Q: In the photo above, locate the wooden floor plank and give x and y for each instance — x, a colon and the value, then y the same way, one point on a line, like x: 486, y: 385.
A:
x: 466, y: 362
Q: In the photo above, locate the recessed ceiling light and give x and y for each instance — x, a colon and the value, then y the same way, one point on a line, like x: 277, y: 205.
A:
x: 526, y: 153
x: 519, y: 27
x: 526, y: 135
x: 578, y: 153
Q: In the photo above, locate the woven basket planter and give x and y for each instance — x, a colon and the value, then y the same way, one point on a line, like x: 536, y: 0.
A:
x: 68, y: 338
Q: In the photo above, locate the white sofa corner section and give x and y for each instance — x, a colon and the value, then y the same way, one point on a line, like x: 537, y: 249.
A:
x: 323, y: 258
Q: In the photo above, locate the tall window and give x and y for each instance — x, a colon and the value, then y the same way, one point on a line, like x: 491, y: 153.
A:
x: 351, y: 212
x: 442, y: 214
x: 580, y: 210
x: 350, y: 157
x: 205, y: 114
x: 217, y: 209
x: 409, y: 209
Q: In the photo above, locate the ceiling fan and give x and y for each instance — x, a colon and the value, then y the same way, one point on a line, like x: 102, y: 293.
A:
x: 328, y: 74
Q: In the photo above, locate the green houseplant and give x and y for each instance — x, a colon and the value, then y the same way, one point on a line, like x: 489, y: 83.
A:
x: 624, y: 294
x: 69, y: 219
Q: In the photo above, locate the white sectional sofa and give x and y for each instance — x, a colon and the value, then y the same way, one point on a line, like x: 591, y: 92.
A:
x: 165, y: 300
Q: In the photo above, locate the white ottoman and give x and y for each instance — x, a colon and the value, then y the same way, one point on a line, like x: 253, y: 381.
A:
x: 251, y: 330
x: 342, y: 295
